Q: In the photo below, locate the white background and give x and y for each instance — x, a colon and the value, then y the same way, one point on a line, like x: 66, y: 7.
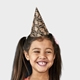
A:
x: 62, y: 18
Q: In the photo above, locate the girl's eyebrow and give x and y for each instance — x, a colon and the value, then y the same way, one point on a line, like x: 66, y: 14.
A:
x: 49, y: 48
x: 39, y: 48
x: 35, y: 48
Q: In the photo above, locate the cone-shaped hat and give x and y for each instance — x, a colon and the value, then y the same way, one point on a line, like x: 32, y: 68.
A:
x: 38, y: 27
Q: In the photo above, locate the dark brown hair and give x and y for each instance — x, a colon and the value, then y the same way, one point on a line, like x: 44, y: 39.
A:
x: 22, y: 67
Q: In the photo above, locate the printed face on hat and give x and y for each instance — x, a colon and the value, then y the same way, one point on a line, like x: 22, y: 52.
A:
x: 41, y: 55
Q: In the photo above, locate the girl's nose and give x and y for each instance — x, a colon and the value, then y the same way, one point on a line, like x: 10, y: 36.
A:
x: 42, y: 55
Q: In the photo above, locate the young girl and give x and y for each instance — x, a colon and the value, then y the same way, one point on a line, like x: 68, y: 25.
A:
x: 38, y: 56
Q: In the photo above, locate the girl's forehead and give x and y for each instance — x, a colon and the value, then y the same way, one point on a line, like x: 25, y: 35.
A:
x: 42, y: 43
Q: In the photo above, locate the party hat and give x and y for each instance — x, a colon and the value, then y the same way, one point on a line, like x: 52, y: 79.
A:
x: 38, y: 27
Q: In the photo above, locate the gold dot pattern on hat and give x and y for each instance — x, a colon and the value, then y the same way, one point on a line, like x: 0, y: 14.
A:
x: 38, y: 27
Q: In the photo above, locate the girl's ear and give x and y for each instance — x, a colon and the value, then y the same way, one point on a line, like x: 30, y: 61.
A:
x: 54, y: 56
x: 26, y: 55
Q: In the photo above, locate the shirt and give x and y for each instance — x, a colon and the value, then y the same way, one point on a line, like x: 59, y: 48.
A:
x: 26, y: 78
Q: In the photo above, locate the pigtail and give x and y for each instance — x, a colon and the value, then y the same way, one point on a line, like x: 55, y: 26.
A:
x: 55, y: 70
x: 58, y: 62
x: 19, y: 66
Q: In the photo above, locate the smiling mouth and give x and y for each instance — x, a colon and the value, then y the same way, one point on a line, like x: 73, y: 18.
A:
x: 42, y: 63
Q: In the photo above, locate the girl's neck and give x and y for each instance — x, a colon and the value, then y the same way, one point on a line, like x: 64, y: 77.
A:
x: 39, y: 76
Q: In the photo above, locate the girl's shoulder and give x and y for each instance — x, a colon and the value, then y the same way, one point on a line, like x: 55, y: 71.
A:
x: 26, y: 78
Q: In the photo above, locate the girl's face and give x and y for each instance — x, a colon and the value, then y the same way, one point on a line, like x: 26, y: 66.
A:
x: 41, y: 55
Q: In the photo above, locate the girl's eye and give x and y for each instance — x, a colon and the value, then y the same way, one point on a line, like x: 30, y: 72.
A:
x: 48, y: 51
x: 36, y: 51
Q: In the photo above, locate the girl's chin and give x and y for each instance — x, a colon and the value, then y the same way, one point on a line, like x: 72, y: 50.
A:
x: 42, y: 70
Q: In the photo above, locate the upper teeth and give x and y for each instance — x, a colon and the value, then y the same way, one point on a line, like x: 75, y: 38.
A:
x: 42, y: 63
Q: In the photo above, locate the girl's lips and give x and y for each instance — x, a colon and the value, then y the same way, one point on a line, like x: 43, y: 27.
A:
x: 41, y: 63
